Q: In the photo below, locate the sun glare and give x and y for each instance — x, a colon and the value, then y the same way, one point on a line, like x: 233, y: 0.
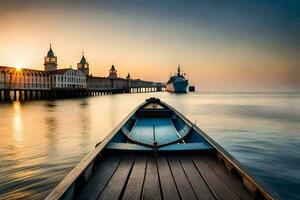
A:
x: 18, y: 66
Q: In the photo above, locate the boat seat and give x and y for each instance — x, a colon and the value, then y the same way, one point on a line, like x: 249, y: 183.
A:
x: 186, y: 147
x: 144, y: 129
x: 172, y: 147
x: 127, y: 147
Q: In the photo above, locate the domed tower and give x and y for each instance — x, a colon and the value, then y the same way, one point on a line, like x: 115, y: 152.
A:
x: 50, y: 61
x: 112, y: 72
x: 128, y: 82
x: 128, y: 76
x: 83, y: 65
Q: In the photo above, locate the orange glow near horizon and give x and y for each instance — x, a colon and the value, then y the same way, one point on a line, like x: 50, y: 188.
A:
x: 212, y: 63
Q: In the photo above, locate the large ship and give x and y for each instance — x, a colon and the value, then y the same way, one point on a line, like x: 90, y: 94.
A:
x: 177, y: 83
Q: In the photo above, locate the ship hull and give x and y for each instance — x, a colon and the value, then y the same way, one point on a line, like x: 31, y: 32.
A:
x: 177, y: 86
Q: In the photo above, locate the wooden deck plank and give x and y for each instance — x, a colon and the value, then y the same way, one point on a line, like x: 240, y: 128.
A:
x: 200, y: 188
x: 100, y: 178
x: 118, y: 181
x: 183, y: 185
x: 231, y: 181
x: 217, y: 186
x: 151, y: 188
x: 168, y: 186
x: 135, y: 183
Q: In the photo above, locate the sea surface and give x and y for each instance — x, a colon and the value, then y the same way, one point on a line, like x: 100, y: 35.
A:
x: 41, y: 141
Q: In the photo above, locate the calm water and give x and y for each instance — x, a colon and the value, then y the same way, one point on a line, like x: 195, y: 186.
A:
x: 41, y: 141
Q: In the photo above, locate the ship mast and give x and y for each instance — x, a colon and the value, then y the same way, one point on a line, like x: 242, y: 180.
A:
x: 178, y: 70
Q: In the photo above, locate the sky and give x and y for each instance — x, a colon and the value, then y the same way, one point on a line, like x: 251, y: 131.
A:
x: 237, y: 45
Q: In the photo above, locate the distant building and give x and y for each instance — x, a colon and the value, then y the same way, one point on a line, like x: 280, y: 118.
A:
x: 83, y: 66
x: 98, y: 83
x: 68, y: 78
x: 112, y: 72
x: 11, y: 78
x: 50, y: 61
x: 52, y: 78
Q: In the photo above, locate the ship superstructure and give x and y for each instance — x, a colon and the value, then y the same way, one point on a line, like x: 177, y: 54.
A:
x: 177, y: 83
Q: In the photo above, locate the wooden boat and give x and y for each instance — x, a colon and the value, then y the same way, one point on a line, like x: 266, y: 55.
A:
x: 157, y: 153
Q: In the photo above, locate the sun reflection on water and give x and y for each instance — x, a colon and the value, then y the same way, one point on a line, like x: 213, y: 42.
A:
x: 17, y: 121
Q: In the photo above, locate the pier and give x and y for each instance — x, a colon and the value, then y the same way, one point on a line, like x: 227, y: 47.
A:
x: 28, y: 84
x: 51, y: 83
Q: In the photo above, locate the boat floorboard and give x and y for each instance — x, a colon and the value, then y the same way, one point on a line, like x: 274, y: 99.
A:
x: 124, y: 175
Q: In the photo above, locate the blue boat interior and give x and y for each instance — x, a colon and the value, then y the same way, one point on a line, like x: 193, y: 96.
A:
x: 155, y: 127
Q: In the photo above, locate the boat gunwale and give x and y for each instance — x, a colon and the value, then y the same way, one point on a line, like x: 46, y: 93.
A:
x: 61, y: 189
x: 266, y: 191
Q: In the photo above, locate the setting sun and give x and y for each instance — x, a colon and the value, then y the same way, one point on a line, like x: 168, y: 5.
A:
x: 18, y: 66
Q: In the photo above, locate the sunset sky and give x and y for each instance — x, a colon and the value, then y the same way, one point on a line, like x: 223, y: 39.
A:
x: 245, y: 45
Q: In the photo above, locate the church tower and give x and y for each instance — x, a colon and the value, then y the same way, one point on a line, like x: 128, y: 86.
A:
x: 50, y: 61
x: 112, y: 72
x: 128, y: 77
x: 83, y: 65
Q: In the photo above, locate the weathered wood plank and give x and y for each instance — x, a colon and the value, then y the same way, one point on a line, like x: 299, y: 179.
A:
x: 216, y: 185
x: 151, y: 185
x: 233, y: 183
x: 183, y: 185
x: 135, y: 183
x: 100, y: 178
x: 168, y: 186
x: 196, y: 180
x: 118, y: 181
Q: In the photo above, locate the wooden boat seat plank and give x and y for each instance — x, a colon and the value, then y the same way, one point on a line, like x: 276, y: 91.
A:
x: 168, y: 186
x: 127, y: 147
x: 183, y: 185
x: 135, y: 183
x: 117, y: 182
x: 186, y: 147
x: 151, y: 188
x: 195, y: 179
x: 100, y: 178
x: 231, y: 181
x: 220, y: 189
x: 172, y: 147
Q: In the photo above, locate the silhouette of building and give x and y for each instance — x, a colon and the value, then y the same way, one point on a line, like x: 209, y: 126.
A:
x: 83, y: 65
x: 128, y: 76
x: 50, y: 61
x: 66, y: 82
x: 112, y: 72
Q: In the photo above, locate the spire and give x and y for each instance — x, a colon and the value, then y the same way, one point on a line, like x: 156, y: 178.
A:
x: 113, y: 68
x: 50, y: 52
x: 112, y: 72
x: 128, y: 76
x: 178, y: 70
x: 83, y: 60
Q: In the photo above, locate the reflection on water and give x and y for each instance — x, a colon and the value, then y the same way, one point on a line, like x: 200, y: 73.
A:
x: 41, y: 141
x: 17, y: 123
